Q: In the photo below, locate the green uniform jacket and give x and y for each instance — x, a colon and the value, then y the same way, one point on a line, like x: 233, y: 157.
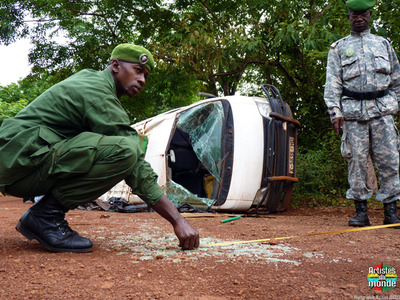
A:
x: 84, y: 102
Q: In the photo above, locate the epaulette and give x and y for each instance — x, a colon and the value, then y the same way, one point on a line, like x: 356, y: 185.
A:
x: 389, y: 40
x: 333, y: 45
x: 384, y: 38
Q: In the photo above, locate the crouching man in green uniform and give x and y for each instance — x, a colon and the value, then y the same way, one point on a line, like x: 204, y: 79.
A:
x: 73, y: 143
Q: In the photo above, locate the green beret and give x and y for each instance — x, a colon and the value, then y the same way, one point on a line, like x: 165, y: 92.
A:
x: 360, y: 5
x: 134, y: 53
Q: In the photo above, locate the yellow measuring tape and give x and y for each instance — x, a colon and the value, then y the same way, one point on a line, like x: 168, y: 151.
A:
x: 309, y: 234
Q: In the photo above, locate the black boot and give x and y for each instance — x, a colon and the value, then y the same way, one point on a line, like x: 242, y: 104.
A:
x: 361, y: 218
x: 391, y: 214
x: 45, y: 222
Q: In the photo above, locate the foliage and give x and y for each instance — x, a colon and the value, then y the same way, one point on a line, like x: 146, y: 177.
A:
x: 10, y: 109
x: 28, y: 88
x: 165, y: 89
x: 15, y: 96
x: 322, y: 171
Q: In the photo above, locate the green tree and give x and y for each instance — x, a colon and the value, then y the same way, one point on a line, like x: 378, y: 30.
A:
x: 28, y: 88
x: 10, y: 109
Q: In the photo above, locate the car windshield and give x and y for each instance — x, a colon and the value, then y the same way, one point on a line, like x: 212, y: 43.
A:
x: 203, y: 124
x: 195, y: 160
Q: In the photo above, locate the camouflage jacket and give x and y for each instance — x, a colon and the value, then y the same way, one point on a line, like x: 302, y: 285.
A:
x: 362, y: 62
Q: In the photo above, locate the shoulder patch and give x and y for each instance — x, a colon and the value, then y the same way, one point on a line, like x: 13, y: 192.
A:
x: 333, y: 45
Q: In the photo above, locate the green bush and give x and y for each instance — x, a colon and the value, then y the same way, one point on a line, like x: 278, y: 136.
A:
x: 9, y: 110
x: 322, y: 173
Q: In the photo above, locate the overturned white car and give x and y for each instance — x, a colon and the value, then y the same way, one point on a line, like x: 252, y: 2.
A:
x: 228, y: 153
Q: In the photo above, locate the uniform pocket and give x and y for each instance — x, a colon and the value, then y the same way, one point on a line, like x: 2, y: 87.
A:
x: 75, y: 156
x: 382, y: 64
x: 40, y: 155
x: 350, y: 68
x: 49, y: 136
x: 46, y: 139
x: 387, y: 105
x: 351, y: 109
x: 345, y: 147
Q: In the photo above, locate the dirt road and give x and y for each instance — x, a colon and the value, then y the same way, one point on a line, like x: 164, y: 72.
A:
x: 136, y: 257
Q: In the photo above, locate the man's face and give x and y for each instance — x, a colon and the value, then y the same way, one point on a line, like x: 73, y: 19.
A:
x: 359, y: 20
x: 129, y: 78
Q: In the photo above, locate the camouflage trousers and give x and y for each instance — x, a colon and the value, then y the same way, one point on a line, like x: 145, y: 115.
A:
x: 381, y: 136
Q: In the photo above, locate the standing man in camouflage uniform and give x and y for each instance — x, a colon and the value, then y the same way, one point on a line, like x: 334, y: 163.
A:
x: 362, y: 92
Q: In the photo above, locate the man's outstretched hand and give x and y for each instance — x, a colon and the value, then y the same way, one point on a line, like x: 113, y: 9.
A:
x: 187, y: 235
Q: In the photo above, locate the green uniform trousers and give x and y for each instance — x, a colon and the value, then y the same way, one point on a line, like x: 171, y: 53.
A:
x: 79, y: 170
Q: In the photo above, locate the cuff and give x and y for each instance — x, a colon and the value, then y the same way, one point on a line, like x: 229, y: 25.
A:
x: 153, y: 195
x: 335, y: 113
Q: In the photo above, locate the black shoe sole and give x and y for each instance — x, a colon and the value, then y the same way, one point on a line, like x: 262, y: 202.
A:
x: 395, y: 227
x: 29, y: 235
x: 359, y: 224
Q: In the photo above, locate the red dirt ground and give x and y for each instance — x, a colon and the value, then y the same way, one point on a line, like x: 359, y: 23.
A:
x: 136, y: 257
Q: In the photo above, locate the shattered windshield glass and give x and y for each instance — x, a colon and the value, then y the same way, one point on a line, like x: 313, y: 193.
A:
x: 204, y: 124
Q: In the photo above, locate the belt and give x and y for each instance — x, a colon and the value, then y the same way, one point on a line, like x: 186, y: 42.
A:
x: 366, y: 95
